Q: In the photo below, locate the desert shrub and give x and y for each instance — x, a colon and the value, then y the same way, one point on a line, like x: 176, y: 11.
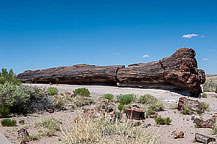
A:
x: 52, y: 91
x: 82, y: 92
x: 210, y: 84
x: 187, y: 110
x: 82, y: 101
x: 214, y: 129
x: 157, y: 106
x: 8, y: 76
x: 108, y: 96
x: 93, y: 131
x: 153, y: 103
x: 148, y: 99
x: 203, y: 95
x: 61, y: 101
x: 23, y: 100
x: 126, y: 99
x: 8, y: 122
x: 48, y: 127
x: 205, y: 106
x: 12, y: 95
x: 4, y: 110
x: 22, y: 122
x: 163, y: 121
x: 121, y: 107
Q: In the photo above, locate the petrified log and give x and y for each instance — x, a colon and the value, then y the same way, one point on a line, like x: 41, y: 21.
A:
x: 176, y: 72
x: 195, y: 105
x: 203, y: 139
x: 133, y: 113
x: 77, y: 74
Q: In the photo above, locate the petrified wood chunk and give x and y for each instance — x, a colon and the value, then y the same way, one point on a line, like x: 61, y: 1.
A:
x: 78, y: 74
x: 204, y: 139
x: 136, y: 114
x: 195, y: 105
x: 176, y: 72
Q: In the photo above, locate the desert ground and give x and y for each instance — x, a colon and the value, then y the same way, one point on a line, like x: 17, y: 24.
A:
x: 163, y: 133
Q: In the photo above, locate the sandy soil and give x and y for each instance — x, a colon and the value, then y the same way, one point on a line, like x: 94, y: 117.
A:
x: 179, y: 122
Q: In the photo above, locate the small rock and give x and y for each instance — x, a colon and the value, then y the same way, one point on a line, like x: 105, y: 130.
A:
x: 146, y: 125
x: 136, y: 123
x: 22, y: 133
x: 133, y: 113
x: 195, y: 104
x: 178, y: 134
x: 109, y: 108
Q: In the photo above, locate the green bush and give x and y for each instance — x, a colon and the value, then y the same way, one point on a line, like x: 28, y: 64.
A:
x: 21, y: 122
x: 108, y: 96
x: 4, y: 110
x: 52, y: 91
x: 11, y: 95
x: 187, y: 110
x: 8, y: 122
x: 203, y: 95
x: 205, y: 106
x: 157, y: 106
x: 82, y: 92
x: 148, y: 99
x: 214, y: 129
x: 126, y: 99
x: 6, y: 76
x: 163, y: 121
x: 121, y: 107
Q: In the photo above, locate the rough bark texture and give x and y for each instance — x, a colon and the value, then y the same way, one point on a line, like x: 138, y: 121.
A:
x: 203, y: 139
x: 194, y: 104
x: 176, y: 72
x: 77, y: 74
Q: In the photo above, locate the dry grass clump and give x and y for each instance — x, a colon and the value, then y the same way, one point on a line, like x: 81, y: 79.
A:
x: 103, y: 131
x: 211, y: 84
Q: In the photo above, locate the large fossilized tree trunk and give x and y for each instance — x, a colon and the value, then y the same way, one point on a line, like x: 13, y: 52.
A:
x: 176, y: 72
x: 77, y: 74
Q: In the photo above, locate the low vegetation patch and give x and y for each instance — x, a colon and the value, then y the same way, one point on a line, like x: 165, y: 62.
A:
x: 8, y: 122
x: 22, y: 122
x: 187, y: 110
x: 52, y: 91
x: 4, y: 110
x: 109, y: 97
x: 163, y: 121
x: 205, y: 106
x: 126, y: 99
x: 103, y: 131
x: 9, y: 76
x: 121, y: 107
x: 210, y: 84
x: 214, y: 129
x: 203, y: 95
x: 154, y: 105
x: 148, y: 99
x: 48, y: 127
x: 82, y: 92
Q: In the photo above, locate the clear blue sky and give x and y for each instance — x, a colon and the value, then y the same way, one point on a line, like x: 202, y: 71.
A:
x: 37, y: 34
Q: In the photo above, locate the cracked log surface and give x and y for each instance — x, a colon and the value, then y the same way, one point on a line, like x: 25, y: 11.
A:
x: 177, y: 72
